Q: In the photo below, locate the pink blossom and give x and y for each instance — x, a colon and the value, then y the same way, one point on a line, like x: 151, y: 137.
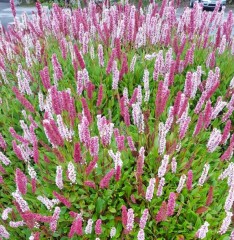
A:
x: 86, y: 109
x: 171, y: 204
x: 90, y: 89
x: 12, y: 3
x: 17, y: 150
x: 161, y: 98
x: 21, y: 181
x: 54, y: 220
x: 52, y: 132
x: 227, y: 154
x: 4, y: 159
x: 207, y: 114
x: 202, y: 231
x: 188, y: 84
x: 105, y: 181
x: 141, y: 235
x: 199, y: 124
x: 3, y: 144
x: 71, y: 172
x: 120, y: 142
x: 88, y: 228
x: 162, y: 213
x: 189, y: 180
x: 173, y: 165
x: 226, y: 223
x: 77, y: 153
x: 91, y: 165
x: 18, y: 137
x: 76, y: 227
x: 161, y: 138
x: 204, y: 174
x: 160, y: 187
x: 130, y: 220
x: 6, y: 212
x: 98, y: 227
x: 111, y: 61
x: 131, y: 144
x: 23, y: 205
x: 144, y: 218
x: 214, y: 140
x: 90, y: 184
x: 62, y: 199
x: 55, y: 100
x: 16, y: 224
x: 228, y: 114
x: 94, y: 146
x: 100, y: 96
x: 181, y: 183
x: 83, y: 130
x: 100, y: 55
x: 3, y: 232
x: 140, y: 162
x: 45, y: 78
x: 58, y: 73
x: 150, y: 190
x: 79, y: 57
x: 23, y: 100
x: 226, y: 132
x: 163, y: 167
x: 124, y: 216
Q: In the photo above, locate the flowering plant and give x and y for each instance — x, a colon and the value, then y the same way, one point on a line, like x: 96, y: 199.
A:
x: 117, y: 124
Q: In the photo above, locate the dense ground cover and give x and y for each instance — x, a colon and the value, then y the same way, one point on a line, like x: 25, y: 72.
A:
x: 117, y: 123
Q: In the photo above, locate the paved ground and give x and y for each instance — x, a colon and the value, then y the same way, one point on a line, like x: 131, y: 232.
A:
x: 6, y: 15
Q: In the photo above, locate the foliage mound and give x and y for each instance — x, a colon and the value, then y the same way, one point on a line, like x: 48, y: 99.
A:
x: 117, y: 123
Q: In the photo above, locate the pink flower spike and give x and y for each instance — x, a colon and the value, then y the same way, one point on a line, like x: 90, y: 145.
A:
x: 58, y: 73
x: 1, y: 180
x: 77, y: 153
x: 79, y: 57
x: 199, y: 124
x: 131, y: 144
x: 100, y: 96
x: 226, y: 132
x: 202, y: 231
x: 45, y: 78
x: 150, y: 190
x: 91, y: 165
x: 162, y: 214
x: 98, y: 227
x: 62, y: 199
x: 54, y: 220
x: 90, y: 184
x: 130, y: 220
x: 207, y: 114
x: 124, y: 216
x: 104, y: 183
x: 118, y: 173
x: 120, y: 142
x: 144, y: 218
x: 94, y: 146
x: 21, y: 181
x: 171, y: 204
x: 23, y: 100
x: 189, y: 180
x: 3, y: 144
x: 12, y: 3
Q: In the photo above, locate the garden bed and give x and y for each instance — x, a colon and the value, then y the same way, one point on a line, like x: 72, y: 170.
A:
x: 117, y: 123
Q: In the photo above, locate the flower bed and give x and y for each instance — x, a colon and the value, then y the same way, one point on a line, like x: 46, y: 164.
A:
x: 117, y: 124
